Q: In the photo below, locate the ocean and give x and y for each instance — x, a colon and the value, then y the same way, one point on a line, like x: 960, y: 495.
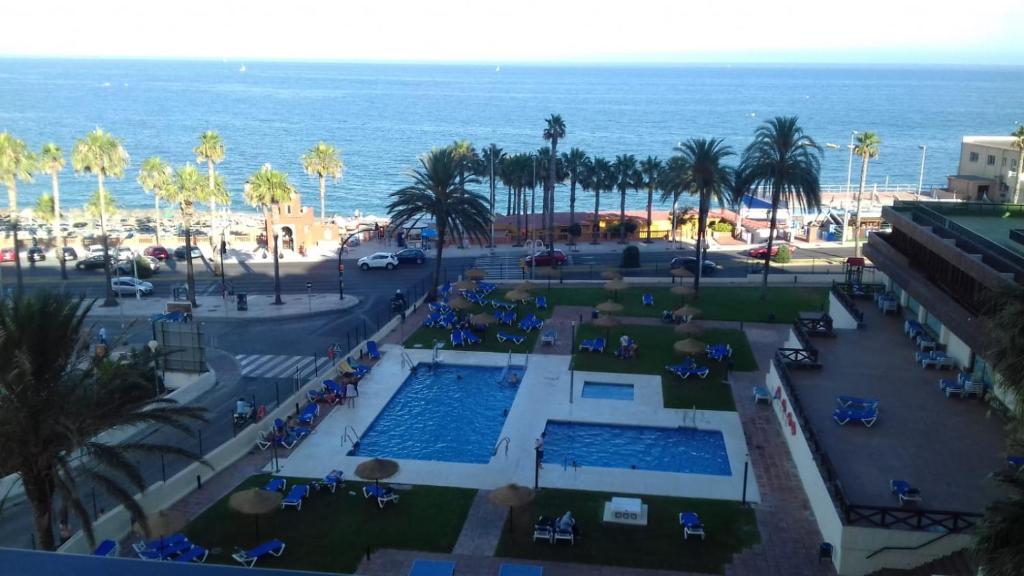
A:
x: 383, y: 116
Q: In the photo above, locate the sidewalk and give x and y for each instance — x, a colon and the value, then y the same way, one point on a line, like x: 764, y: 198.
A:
x: 261, y: 306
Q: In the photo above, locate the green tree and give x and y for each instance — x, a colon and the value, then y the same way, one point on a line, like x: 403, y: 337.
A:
x: 576, y: 163
x: 51, y: 161
x: 56, y: 399
x: 323, y: 161
x: 1018, y: 145
x: 490, y: 167
x: 626, y: 176
x: 266, y: 188
x: 211, y: 151
x: 787, y: 161
x: 186, y: 188
x: 101, y: 206
x: 674, y: 181
x: 867, y: 148
x: 437, y: 192
x: 17, y: 162
x: 156, y: 177
x: 100, y: 154
x: 516, y: 171
x: 598, y: 177
x: 650, y: 170
x: 554, y: 131
x: 44, y: 208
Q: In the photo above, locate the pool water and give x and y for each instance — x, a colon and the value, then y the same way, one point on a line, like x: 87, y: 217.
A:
x: 451, y: 413
x: 607, y: 391
x: 682, y: 450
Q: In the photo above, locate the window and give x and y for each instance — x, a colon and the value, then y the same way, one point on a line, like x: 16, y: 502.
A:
x: 1004, y: 161
x: 974, y: 156
x: 991, y: 160
x: 913, y: 306
x: 1013, y: 164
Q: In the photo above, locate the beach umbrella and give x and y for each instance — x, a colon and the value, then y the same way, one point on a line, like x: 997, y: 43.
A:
x: 475, y: 274
x: 615, y: 286
x: 689, y: 328
x: 511, y: 496
x: 606, y: 322
x: 377, y: 469
x: 516, y: 295
x: 611, y: 275
x: 686, y: 312
x: 482, y: 319
x: 465, y: 285
x: 525, y: 286
x: 609, y: 307
x: 460, y: 304
x: 255, y: 502
x: 162, y: 524
x: 688, y: 346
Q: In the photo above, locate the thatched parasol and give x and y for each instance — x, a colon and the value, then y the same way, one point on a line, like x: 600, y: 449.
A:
x: 689, y: 328
x: 525, y: 286
x: 255, y: 502
x: 475, y: 274
x: 482, y: 319
x: 606, y: 322
x: 688, y: 346
x: 686, y: 312
x: 511, y: 496
x: 162, y: 524
x: 611, y: 275
x: 465, y: 285
x: 516, y: 295
x: 377, y: 469
x: 609, y: 307
x: 680, y: 272
x: 460, y: 304
x: 615, y: 286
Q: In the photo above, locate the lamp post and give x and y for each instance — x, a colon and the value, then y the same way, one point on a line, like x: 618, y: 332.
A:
x: 920, y: 179
x: 849, y: 167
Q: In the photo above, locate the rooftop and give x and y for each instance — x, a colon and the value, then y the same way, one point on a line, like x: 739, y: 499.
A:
x: 1002, y: 142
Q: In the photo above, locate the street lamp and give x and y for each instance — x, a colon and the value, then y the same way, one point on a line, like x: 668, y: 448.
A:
x: 849, y: 167
x: 920, y: 179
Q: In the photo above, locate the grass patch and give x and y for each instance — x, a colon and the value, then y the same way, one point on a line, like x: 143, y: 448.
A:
x: 333, y: 531
x: 655, y: 352
x: 425, y: 337
x: 715, y: 303
x: 730, y: 528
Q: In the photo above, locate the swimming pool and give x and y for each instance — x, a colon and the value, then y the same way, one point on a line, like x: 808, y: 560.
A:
x: 683, y: 450
x: 452, y: 413
x: 607, y: 391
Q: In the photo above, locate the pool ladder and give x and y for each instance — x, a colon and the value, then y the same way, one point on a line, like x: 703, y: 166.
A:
x: 407, y: 360
x: 436, y: 358
x: 569, y: 462
x: 350, y: 434
x: 506, y: 441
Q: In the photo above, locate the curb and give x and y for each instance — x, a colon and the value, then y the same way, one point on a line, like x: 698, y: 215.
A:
x: 200, y: 315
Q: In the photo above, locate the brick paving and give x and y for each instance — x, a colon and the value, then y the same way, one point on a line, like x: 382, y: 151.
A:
x: 482, y: 529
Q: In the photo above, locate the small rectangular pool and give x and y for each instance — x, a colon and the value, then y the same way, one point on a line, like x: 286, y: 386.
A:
x: 607, y: 391
x: 681, y: 450
x: 451, y: 413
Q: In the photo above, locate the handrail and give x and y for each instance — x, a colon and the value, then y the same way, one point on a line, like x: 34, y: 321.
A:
x: 504, y: 440
x: 509, y: 363
x: 354, y: 438
x: 918, y: 547
x: 406, y: 358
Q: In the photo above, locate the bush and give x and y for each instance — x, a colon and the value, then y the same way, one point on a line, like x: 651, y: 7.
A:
x: 575, y: 230
x: 783, y: 255
x: 630, y: 257
x: 722, y: 226
x: 631, y: 227
x: 143, y: 267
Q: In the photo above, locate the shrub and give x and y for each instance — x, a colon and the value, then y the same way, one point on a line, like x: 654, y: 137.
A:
x: 722, y: 226
x: 631, y: 227
x: 575, y: 230
x: 630, y: 257
x: 783, y: 255
x: 143, y: 267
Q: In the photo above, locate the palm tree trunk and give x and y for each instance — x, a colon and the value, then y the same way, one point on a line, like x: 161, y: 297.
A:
x: 442, y: 232
x: 776, y: 193
x: 856, y: 225
x: 323, y: 193
x: 12, y: 197
x: 738, y: 229
x: 213, y: 202
x: 55, y: 185
x: 622, y: 215
x: 702, y: 223
x: 650, y: 202
x: 39, y: 494
x: 508, y: 206
x: 519, y: 223
x: 596, y: 225
x: 675, y: 200
x: 156, y: 215
x: 572, y: 203
x: 17, y: 256
x: 526, y: 216
x: 277, y: 275
x: 190, y: 276
x: 109, y: 300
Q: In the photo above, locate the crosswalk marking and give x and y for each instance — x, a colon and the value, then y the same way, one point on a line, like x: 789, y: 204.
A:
x: 499, y: 267
x: 273, y: 366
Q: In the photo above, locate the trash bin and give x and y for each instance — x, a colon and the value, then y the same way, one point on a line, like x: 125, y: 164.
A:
x: 242, y: 300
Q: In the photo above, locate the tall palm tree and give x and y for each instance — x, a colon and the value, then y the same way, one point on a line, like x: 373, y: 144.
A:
x: 866, y: 148
x: 156, y: 177
x: 597, y: 177
x: 626, y: 177
x: 211, y: 151
x: 58, y: 399
x: 186, y: 188
x: 98, y: 206
x: 674, y: 181
x: 323, y: 160
x: 438, y: 191
x: 710, y: 179
x: 100, y: 154
x: 786, y: 160
x: 51, y: 161
x: 1018, y: 145
x: 467, y: 158
x: 518, y: 169
x: 554, y: 130
x: 650, y: 169
x: 17, y: 162
x: 267, y: 188
x: 576, y: 162
x: 490, y: 167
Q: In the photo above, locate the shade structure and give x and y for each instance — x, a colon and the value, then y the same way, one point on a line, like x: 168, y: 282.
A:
x: 525, y: 286
x: 611, y: 275
x: 680, y: 272
x: 516, y: 295
x: 255, y: 501
x: 377, y: 469
x: 686, y: 311
x: 609, y: 307
x: 475, y: 274
x: 511, y: 496
x: 689, y: 328
x: 162, y: 524
x: 615, y: 285
x: 682, y: 290
x: 465, y: 285
x: 688, y: 346
x: 460, y: 304
x: 482, y: 319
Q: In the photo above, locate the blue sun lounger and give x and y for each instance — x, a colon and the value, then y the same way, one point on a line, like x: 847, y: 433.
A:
x: 382, y: 494
x: 422, y: 567
x: 309, y: 413
x: 470, y: 338
x: 249, y: 557
x: 276, y: 485
x: 689, y: 368
x: 165, y: 552
x: 866, y: 416
x: 854, y: 402
x: 515, y: 338
x: 692, y: 526
x: 333, y: 479
x: 718, y: 352
x: 647, y: 299
x: 158, y: 543
x: 592, y: 345
x: 193, y: 554
x: 295, y: 496
x: 106, y: 548
x: 372, y: 351
x: 904, y: 491
x: 541, y: 302
x: 531, y: 322
x: 1015, y: 461
x: 520, y: 570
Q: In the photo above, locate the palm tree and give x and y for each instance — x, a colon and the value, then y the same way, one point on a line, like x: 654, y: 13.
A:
x: 866, y: 148
x: 101, y: 154
x: 788, y: 161
x: 17, y: 162
x: 438, y: 191
x: 673, y: 181
x: 576, y: 162
x: 517, y: 169
x: 51, y: 161
x: 710, y: 179
x: 999, y: 546
x: 1018, y: 145
x: 58, y: 399
x: 264, y: 189
x: 1005, y: 312
x: 650, y: 169
x: 186, y: 187
x: 554, y: 130
x: 44, y: 208
x: 211, y: 151
x: 156, y: 177
x: 323, y: 160
x: 596, y: 178
x: 98, y: 206
x: 626, y: 176
x: 490, y: 167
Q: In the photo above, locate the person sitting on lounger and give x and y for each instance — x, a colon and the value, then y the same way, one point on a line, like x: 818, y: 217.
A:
x: 566, y: 522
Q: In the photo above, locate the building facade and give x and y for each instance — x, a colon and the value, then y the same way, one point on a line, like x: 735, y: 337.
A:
x: 988, y: 169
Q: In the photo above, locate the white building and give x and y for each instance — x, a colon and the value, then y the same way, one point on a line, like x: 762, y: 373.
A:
x: 988, y: 169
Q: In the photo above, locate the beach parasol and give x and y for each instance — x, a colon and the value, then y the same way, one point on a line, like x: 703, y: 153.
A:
x: 465, y: 285
x: 460, y: 304
x: 611, y: 275
x: 475, y: 274
x: 516, y: 295
x: 607, y: 322
x: 482, y: 319
x: 525, y: 286
x: 511, y: 496
x: 609, y: 307
x: 688, y: 346
x: 686, y: 312
x: 689, y: 328
x: 255, y: 502
x: 615, y: 286
x: 377, y: 469
x: 162, y: 524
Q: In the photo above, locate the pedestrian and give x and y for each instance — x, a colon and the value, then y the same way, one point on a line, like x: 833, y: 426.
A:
x: 103, y: 335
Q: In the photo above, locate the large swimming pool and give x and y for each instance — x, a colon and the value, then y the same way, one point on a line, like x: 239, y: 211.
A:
x: 684, y: 450
x: 451, y: 413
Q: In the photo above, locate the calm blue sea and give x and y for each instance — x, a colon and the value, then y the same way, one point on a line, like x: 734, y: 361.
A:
x: 384, y: 116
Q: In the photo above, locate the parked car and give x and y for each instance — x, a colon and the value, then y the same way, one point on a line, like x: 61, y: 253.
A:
x: 68, y: 253
x: 93, y: 262
x: 411, y: 256
x: 154, y: 263
x: 96, y: 250
x: 690, y: 263
x: 179, y: 253
x: 158, y: 252
x: 36, y: 254
x: 759, y: 251
x: 547, y: 258
x: 7, y: 255
x: 124, y: 253
x: 128, y: 286
x: 384, y: 260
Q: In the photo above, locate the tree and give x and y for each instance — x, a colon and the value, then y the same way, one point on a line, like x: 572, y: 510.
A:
x: 211, y: 151
x: 866, y: 148
x: 323, y: 160
x: 626, y: 176
x: 98, y: 206
x: 51, y: 161
x: 999, y: 546
x: 266, y: 188
x: 576, y: 162
x: 17, y: 162
x: 598, y: 177
x: 156, y: 177
x: 44, y: 208
x: 490, y: 167
x: 517, y: 172
x: 786, y: 160
x: 650, y: 169
x: 187, y: 186
x: 674, y: 180
x: 437, y: 191
x: 56, y: 399
x: 101, y: 154
x: 554, y: 130
x: 1018, y: 145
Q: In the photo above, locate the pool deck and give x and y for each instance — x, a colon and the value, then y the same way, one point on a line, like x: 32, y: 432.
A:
x: 544, y: 394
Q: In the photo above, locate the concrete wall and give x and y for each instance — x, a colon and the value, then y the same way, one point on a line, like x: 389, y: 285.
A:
x: 956, y: 347
x: 860, y: 541
x: 841, y: 319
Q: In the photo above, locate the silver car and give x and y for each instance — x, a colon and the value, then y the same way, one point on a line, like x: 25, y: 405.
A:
x: 129, y: 286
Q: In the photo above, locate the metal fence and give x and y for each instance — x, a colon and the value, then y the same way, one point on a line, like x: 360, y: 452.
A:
x: 182, y: 346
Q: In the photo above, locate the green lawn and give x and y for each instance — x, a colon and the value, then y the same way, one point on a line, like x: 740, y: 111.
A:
x: 655, y: 351
x: 730, y: 528
x: 333, y: 531
x: 715, y: 303
x: 425, y: 337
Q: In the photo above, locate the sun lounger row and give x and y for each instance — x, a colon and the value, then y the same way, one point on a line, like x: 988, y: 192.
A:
x: 718, y: 352
x: 688, y: 367
x: 514, y: 338
x: 506, y: 317
x: 553, y: 530
x: 439, y: 319
x: 531, y: 322
x: 593, y: 345
x: 962, y: 386
x: 249, y: 557
x: 462, y: 337
x: 865, y: 415
x: 935, y: 359
x: 177, y: 548
x: 856, y: 403
x: 381, y: 493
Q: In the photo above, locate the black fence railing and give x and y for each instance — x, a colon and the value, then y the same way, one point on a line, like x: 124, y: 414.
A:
x: 799, y: 357
x: 847, y: 302
x: 812, y: 326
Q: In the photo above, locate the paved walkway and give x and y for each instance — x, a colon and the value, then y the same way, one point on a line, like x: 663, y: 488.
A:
x: 261, y: 306
x: 482, y: 529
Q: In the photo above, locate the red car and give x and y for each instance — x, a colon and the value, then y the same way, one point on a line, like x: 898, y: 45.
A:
x: 158, y: 252
x: 7, y: 255
x: 546, y: 258
x: 759, y: 251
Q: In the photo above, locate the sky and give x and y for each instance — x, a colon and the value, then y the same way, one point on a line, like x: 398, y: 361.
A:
x: 549, y: 31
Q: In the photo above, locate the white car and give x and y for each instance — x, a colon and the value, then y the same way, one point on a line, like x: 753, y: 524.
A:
x: 128, y: 286
x: 154, y: 263
x: 385, y: 260
x: 124, y: 253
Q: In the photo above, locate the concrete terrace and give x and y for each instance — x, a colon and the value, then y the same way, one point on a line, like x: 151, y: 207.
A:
x: 945, y: 447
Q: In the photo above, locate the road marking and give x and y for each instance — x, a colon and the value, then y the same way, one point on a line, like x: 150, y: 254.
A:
x: 275, y: 366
